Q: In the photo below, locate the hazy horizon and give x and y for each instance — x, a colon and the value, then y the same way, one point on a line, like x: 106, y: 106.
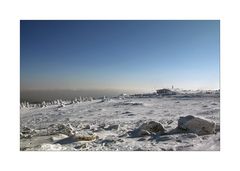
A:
x: 50, y: 95
x: 119, y: 55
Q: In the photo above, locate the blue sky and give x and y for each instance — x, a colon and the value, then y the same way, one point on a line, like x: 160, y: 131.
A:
x: 128, y: 55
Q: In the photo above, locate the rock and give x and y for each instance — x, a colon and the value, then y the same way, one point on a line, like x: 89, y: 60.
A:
x: 87, y: 127
x: 148, y: 128
x: 85, y: 137
x: 66, y: 129
x: 25, y: 136
x: 27, y: 132
x: 152, y: 126
x: 196, y: 125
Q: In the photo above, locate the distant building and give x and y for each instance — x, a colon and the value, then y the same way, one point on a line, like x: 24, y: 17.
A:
x: 165, y: 91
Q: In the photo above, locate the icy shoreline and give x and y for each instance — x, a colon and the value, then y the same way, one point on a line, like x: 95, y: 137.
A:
x: 104, y: 125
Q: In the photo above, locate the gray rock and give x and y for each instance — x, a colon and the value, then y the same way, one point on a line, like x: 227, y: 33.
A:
x: 196, y: 125
x: 148, y: 128
x: 152, y: 126
x: 66, y: 129
x: 87, y: 126
x: 27, y: 132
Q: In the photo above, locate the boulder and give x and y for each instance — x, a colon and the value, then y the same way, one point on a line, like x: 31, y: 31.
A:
x: 148, y: 128
x: 196, y: 125
x: 27, y: 132
x: 87, y: 126
x: 66, y: 129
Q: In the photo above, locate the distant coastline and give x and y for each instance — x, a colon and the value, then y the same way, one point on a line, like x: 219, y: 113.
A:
x: 36, y: 96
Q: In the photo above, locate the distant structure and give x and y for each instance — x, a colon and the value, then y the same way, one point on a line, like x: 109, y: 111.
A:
x: 165, y: 91
x: 172, y: 87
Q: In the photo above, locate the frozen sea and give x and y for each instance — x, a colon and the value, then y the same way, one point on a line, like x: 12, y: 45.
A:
x: 111, y: 120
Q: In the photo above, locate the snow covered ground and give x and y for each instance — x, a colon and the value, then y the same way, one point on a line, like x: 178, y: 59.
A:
x: 106, y: 125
